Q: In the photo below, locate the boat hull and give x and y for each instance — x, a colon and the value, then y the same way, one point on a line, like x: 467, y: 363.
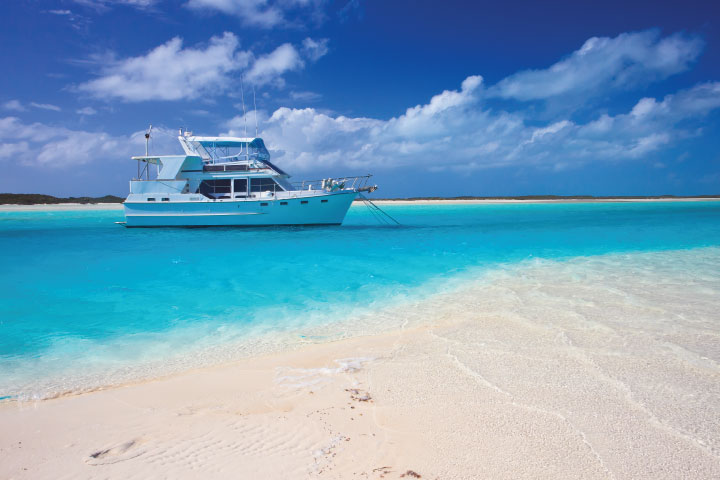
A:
x: 327, y: 209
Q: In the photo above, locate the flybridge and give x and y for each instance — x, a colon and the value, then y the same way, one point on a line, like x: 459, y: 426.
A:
x: 225, y: 149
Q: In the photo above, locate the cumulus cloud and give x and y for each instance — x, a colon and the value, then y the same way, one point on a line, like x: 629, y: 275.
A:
x: 45, y: 145
x: 173, y: 72
x: 466, y: 129
x: 264, y: 13
x: 454, y: 130
x: 270, y: 67
x: 603, y: 63
x: 460, y: 129
x: 14, y: 105
x: 314, y: 49
x: 39, y: 144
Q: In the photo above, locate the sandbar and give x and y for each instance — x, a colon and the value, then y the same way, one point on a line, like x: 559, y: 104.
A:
x: 595, y: 368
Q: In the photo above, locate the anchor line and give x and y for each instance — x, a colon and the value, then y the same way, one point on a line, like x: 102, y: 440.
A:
x: 377, y: 216
x: 378, y: 212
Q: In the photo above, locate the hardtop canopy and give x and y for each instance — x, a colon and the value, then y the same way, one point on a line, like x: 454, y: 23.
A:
x: 256, y: 142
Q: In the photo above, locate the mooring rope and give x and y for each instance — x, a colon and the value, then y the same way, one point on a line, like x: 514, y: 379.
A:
x: 378, y: 212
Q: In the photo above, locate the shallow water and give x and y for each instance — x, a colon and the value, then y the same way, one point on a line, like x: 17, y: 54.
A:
x: 85, y: 303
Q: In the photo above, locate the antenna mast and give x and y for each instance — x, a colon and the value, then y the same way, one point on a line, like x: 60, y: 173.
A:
x: 242, y: 96
x: 255, y: 109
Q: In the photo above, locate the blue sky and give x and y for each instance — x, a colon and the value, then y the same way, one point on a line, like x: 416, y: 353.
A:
x: 434, y: 98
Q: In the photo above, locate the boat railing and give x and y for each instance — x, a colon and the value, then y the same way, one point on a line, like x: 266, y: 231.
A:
x: 333, y: 184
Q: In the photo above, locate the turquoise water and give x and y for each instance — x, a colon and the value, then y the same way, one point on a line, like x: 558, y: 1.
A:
x: 85, y: 302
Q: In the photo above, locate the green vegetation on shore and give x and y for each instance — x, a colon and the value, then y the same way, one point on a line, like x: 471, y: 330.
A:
x: 38, y: 199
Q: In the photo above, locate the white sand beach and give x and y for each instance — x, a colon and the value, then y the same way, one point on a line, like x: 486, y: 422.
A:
x: 60, y: 207
x: 599, y: 367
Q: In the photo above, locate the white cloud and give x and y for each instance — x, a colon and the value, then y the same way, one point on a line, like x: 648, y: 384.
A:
x: 454, y: 130
x: 270, y: 67
x: 39, y: 144
x: 552, y: 129
x: 10, y: 150
x: 461, y: 129
x: 305, y: 96
x: 104, y: 5
x: 14, y: 105
x: 45, y: 145
x: 602, y: 63
x: 315, y: 49
x: 171, y: 72
x: 45, y: 106
x: 264, y: 13
x: 253, y: 12
x: 86, y: 111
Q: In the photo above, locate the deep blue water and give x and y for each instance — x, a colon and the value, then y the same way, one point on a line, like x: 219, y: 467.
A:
x: 78, y: 292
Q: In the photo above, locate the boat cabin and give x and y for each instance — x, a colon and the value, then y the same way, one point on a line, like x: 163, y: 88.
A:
x: 219, y: 168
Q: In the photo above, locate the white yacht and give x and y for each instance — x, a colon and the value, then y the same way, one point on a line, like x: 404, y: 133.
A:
x: 229, y: 181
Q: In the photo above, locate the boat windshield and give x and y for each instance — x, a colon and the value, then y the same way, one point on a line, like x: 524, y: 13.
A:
x: 222, y: 151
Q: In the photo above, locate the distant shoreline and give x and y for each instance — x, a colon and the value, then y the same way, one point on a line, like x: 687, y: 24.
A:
x: 70, y: 206
x: 534, y: 199
x: 56, y: 207
x: 41, y: 199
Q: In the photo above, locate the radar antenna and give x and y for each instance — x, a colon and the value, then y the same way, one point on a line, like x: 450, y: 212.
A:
x: 147, y: 139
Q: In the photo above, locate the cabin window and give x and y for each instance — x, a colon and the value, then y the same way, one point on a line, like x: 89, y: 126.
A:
x: 240, y: 187
x: 264, y: 185
x: 323, y: 201
x: 151, y: 199
x: 303, y: 202
x: 283, y: 203
x: 165, y: 199
x: 215, y: 188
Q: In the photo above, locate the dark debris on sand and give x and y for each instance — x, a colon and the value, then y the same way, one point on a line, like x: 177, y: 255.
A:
x: 359, y: 395
x: 411, y: 474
